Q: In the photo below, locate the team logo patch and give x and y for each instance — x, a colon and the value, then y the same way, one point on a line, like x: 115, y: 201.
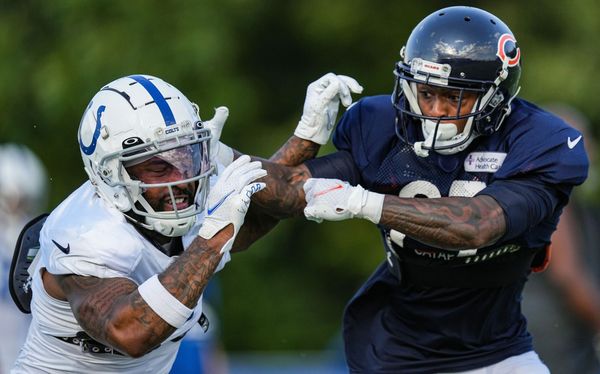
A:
x: 484, y: 162
x: 89, y: 149
x: 508, y: 51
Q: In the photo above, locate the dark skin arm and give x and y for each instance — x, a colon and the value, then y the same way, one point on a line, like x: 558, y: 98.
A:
x: 447, y: 222
x: 112, y: 311
x: 259, y: 219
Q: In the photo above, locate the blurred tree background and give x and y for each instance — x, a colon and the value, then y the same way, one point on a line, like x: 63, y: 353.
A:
x: 257, y: 57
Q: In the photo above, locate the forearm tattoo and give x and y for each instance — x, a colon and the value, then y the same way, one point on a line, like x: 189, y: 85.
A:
x: 295, y: 151
x: 283, y: 196
x: 187, y: 277
x: 450, y: 222
x: 103, y: 304
x: 257, y: 224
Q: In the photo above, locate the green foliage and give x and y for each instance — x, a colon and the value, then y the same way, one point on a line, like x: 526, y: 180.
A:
x: 257, y: 57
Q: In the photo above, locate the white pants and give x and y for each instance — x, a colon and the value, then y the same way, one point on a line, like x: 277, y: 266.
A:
x: 526, y: 363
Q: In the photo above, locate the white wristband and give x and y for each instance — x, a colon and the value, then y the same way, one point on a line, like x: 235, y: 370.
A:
x: 163, y: 303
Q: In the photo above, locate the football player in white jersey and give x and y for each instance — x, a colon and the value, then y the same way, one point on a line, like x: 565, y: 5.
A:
x: 125, y: 258
x: 23, y: 190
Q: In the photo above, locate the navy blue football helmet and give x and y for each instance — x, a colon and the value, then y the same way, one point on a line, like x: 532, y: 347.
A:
x: 458, y: 48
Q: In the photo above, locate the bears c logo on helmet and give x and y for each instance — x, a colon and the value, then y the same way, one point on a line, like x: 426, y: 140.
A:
x: 508, y: 51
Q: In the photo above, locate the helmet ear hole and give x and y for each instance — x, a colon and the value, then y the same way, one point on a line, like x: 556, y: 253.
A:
x: 484, y: 126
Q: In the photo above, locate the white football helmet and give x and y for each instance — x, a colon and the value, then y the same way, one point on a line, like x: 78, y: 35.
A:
x: 23, y: 182
x: 134, y: 119
x: 23, y: 191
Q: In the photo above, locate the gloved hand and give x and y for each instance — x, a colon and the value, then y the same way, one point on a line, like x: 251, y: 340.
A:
x: 229, y: 198
x: 219, y: 152
x: 321, y: 105
x: 336, y: 200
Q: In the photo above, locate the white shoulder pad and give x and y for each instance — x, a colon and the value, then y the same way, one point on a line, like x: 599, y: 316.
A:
x: 85, y: 236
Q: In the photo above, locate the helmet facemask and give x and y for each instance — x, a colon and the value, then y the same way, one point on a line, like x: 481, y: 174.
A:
x: 173, y: 166
x: 440, y: 133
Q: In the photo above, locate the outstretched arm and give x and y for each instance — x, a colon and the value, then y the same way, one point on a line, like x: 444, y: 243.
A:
x: 284, y: 196
x: 446, y: 222
x: 452, y: 223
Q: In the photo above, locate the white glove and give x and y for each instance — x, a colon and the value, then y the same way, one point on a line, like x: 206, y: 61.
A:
x: 219, y: 152
x: 229, y: 199
x: 335, y: 200
x: 321, y: 106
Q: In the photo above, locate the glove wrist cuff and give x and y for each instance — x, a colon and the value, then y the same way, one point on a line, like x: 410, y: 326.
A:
x: 372, y: 206
x: 209, y: 229
x: 309, y: 135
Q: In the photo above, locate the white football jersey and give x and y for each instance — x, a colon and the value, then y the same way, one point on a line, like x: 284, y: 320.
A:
x: 86, y: 236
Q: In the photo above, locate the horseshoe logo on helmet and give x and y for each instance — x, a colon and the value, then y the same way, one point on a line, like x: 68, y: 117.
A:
x: 508, y: 51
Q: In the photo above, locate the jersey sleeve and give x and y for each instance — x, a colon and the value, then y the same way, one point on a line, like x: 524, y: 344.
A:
x: 104, y: 249
x: 540, y: 170
x: 338, y: 165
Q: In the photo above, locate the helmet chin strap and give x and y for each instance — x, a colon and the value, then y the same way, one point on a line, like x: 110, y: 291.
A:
x: 434, y: 131
x: 172, y: 227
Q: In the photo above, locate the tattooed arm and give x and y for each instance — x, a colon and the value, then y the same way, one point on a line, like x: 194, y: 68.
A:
x: 447, y: 222
x: 314, y: 128
x: 452, y: 223
x: 283, y: 197
x: 112, y: 311
x: 295, y: 151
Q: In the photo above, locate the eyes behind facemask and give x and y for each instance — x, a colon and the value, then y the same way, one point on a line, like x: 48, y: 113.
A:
x: 187, y: 159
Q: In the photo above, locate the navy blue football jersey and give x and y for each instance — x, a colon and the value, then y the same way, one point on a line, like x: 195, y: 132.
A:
x: 429, y: 309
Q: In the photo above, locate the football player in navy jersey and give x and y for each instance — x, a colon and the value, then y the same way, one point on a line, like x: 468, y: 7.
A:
x: 466, y: 183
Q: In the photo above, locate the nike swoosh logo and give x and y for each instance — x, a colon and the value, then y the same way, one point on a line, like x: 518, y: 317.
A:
x: 336, y: 187
x: 572, y: 143
x: 65, y: 250
x: 212, y: 209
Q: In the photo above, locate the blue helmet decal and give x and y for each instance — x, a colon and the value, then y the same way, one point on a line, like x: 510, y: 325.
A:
x: 89, y: 149
x: 158, y: 98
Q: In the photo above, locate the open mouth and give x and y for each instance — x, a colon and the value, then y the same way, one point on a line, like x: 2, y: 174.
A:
x: 181, y: 202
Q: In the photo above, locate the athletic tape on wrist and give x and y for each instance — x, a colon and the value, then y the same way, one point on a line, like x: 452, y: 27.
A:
x: 163, y: 303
